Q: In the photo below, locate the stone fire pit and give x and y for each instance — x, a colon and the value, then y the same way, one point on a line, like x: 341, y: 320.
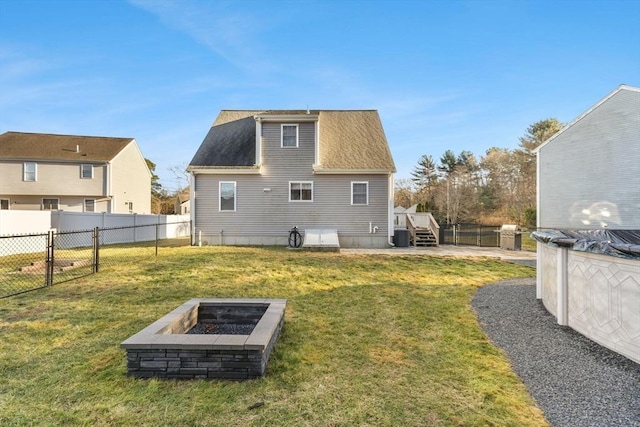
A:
x: 164, y: 349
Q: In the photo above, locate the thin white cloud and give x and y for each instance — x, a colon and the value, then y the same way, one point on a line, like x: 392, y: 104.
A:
x: 230, y: 30
x: 16, y: 64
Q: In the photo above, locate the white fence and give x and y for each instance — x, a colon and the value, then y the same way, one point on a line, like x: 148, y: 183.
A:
x: 15, y: 223
x: 597, y: 295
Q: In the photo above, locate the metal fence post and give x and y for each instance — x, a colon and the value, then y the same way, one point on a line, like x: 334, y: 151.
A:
x: 96, y: 249
x: 50, y: 259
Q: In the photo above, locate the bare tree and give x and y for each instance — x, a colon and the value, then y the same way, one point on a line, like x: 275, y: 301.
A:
x: 181, y: 175
x: 404, y: 193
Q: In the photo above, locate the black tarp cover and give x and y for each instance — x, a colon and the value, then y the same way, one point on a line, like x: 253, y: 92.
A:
x: 620, y: 243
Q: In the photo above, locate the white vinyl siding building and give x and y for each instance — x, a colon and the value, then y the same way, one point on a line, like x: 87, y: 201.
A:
x: 589, y: 172
x: 589, y: 186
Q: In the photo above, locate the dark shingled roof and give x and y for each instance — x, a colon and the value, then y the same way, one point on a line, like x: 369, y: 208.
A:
x: 349, y: 140
x: 44, y: 146
x: 231, y: 141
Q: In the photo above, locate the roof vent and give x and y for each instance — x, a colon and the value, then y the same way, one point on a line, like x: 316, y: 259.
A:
x: 77, y: 148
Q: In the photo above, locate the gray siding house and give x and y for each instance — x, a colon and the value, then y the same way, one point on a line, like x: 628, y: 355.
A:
x: 589, y: 172
x: 257, y: 174
x: 73, y: 173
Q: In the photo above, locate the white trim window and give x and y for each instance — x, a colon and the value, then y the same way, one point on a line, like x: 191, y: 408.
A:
x: 301, y: 191
x: 89, y: 205
x: 5, y: 204
x: 129, y: 206
x: 289, y: 136
x: 86, y: 171
x: 227, y: 199
x: 30, y: 171
x: 50, y: 204
x: 359, y: 192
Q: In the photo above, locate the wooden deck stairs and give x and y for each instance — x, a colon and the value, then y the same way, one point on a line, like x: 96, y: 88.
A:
x: 423, y: 229
x: 425, y: 237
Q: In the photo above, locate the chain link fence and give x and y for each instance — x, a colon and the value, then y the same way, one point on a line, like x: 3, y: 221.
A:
x: 33, y: 261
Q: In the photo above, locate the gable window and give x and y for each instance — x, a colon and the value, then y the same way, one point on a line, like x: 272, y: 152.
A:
x: 360, y: 193
x: 86, y: 171
x: 227, y: 196
x: 89, y: 205
x: 289, y: 135
x: 4, y: 204
x: 300, y: 191
x: 30, y: 171
x: 50, y: 204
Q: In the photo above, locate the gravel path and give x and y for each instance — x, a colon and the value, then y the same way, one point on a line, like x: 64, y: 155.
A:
x: 575, y: 381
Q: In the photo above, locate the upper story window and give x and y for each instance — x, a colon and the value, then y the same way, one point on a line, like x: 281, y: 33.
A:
x: 290, y: 135
x: 4, y: 204
x: 227, y: 196
x: 50, y: 204
x: 86, y: 171
x: 360, y: 193
x: 30, y: 171
x: 300, y: 191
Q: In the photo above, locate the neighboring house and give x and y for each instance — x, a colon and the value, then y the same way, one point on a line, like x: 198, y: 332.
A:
x: 182, y: 204
x: 588, y: 267
x: 73, y: 173
x: 589, y: 172
x: 257, y: 174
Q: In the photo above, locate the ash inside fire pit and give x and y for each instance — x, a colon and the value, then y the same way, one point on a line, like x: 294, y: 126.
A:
x: 222, y: 329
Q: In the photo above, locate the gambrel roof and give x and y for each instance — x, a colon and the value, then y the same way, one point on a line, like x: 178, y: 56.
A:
x: 45, y: 146
x: 349, y: 140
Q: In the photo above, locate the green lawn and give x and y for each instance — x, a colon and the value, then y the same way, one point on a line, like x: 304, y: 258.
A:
x: 367, y: 341
x: 528, y: 243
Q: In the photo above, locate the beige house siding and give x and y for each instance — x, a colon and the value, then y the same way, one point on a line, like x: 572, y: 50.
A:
x: 125, y: 178
x: 130, y: 181
x: 589, y: 174
x: 54, y: 180
x: 65, y: 203
x: 51, y: 178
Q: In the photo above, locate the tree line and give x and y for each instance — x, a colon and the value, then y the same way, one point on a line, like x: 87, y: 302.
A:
x: 496, y: 188
x: 163, y: 202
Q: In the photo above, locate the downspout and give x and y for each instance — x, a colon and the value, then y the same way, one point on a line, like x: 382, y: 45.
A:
x: 110, y: 188
x: 258, y: 140
x: 317, y: 142
x: 192, y: 205
x: 539, y: 267
x: 390, y: 211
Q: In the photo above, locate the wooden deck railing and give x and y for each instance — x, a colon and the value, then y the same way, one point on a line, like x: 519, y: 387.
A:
x: 411, y: 226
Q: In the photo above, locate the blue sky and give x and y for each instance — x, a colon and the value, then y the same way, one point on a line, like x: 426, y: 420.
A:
x: 459, y: 75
